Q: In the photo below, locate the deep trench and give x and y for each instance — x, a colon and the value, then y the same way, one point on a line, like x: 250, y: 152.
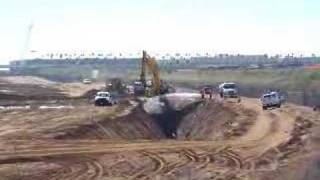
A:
x: 138, y: 124
x: 170, y: 119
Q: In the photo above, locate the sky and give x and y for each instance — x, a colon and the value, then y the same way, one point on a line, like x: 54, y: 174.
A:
x: 228, y: 26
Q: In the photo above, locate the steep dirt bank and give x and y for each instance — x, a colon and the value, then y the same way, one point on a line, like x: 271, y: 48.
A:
x: 134, y: 124
x: 180, y: 119
x: 216, y: 120
x: 186, y: 116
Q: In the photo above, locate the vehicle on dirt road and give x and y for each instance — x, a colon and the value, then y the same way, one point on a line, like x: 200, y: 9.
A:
x: 206, y: 91
x: 272, y: 99
x: 104, y: 99
x: 229, y: 90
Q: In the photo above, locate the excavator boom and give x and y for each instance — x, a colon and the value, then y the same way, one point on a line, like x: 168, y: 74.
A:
x: 153, y: 69
x: 143, y: 67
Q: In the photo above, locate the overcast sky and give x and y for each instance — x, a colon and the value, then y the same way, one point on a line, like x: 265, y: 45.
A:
x: 221, y: 26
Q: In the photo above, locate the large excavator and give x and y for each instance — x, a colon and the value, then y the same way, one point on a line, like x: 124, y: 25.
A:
x: 154, y: 87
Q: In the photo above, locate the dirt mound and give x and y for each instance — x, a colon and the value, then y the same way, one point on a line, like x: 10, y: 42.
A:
x: 90, y: 94
x: 78, y: 89
x: 134, y: 125
x: 213, y: 120
x: 202, y: 120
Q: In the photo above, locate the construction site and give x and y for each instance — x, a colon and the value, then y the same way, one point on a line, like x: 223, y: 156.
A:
x: 159, y: 90
x: 150, y: 130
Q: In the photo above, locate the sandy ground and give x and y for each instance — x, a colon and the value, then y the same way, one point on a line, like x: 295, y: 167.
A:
x: 26, y: 80
x: 78, y: 89
x: 278, y: 144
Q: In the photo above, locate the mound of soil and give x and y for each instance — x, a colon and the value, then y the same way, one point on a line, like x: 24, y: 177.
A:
x: 90, y: 94
x: 215, y: 120
x: 135, y: 125
x: 198, y: 121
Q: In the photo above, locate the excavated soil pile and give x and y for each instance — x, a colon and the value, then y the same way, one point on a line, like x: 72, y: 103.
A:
x: 215, y: 120
x: 197, y: 120
x: 134, y: 125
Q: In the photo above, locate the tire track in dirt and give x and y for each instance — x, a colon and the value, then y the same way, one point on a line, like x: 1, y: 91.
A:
x: 157, y: 160
x: 169, y: 171
x: 228, y: 159
x: 97, y: 169
x: 87, y: 168
x: 67, y: 172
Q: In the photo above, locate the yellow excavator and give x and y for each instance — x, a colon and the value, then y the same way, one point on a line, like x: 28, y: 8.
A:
x: 154, y: 87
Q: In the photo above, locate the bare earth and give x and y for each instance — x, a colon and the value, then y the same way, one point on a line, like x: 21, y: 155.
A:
x: 123, y: 142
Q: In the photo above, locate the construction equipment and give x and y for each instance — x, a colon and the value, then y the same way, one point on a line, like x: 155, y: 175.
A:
x: 207, y: 90
x: 115, y: 85
x: 156, y: 86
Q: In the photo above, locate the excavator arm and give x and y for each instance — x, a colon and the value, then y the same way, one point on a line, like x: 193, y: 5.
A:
x: 153, y: 69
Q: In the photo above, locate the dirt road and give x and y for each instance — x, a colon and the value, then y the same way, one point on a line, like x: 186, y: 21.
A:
x: 270, y: 144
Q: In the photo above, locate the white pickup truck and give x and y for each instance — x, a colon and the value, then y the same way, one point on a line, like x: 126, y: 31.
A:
x: 104, y: 99
x: 229, y: 90
x: 272, y: 99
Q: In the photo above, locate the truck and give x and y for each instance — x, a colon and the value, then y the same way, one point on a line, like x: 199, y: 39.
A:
x: 272, y: 99
x: 104, y: 98
x: 229, y: 90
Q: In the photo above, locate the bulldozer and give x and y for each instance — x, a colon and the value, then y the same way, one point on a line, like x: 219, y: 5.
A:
x: 152, y: 87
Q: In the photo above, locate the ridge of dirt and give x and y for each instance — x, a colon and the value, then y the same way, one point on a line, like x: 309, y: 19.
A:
x: 215, y: 120
x: 133, y: 125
